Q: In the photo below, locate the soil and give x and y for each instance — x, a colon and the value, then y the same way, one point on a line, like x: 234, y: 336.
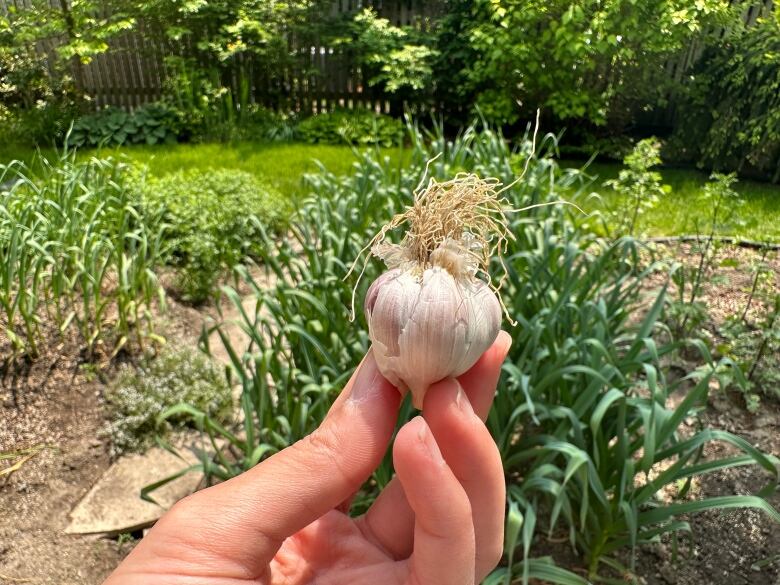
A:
x: 55, y: 410
x: 52, y: 410
x: 735, y: 547
x: 726, y: 547
x: 57, y: 413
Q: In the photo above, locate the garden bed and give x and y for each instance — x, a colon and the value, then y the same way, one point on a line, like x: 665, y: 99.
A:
x: 60, y: 412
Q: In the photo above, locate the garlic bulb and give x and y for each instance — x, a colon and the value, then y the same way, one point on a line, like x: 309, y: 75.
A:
x: 430, y: 316
x: 429, y: 326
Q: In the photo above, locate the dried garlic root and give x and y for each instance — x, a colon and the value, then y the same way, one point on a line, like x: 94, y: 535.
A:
x: 431, y: 316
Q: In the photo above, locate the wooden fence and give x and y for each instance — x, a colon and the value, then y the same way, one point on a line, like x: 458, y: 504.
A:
x: 318, y: 78
x: 677, y: 67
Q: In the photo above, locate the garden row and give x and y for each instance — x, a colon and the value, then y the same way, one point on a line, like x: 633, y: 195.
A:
x: 584, y: 422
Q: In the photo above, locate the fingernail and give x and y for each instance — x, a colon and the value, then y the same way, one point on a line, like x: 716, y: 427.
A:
x: 368, y: 381
x: 462, y: 401
x: 425, y: 437
x: 506, y: 341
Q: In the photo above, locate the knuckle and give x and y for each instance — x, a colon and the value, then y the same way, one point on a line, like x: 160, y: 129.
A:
x: 182, y: 509
x: 322, y: 442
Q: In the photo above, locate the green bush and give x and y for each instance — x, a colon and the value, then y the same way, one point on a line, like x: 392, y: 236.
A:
x: 639, y: 188
x: 45, y: 124
x: 614, y: 148
x: 353, y: 127
x: 732, y: 119
x: 138, y: 395
x: 38, y: 96
x: 151, y: 124
x: 595, y: 60
x: 209, y: 112
x: 582, y: 416
x: 214, y: 220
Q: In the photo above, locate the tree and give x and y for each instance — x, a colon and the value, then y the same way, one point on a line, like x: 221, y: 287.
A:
x: 75, y: 32
x: 592, y: 59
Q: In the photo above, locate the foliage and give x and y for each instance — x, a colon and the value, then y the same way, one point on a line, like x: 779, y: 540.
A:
x: 45, y: 123
x: 223, y: 30
x: 394, y: 58
x: 582, y: 418
x: 36, y: 100
x: 42, y: 87
x: 590, y: 60
x: 138, y: 395
x: 77, y: 248
x: 359, y: 127
x: 151, y: 124
x: 732, y: 120
x: 685, y: 313
x: 208, y: 111
x: 211, y: 80
x: 685, y: 211
x: 639, y: 188
x: 213, y: 222
x: 83, y: 28
x: 754, y: 343
x: 614, y: 148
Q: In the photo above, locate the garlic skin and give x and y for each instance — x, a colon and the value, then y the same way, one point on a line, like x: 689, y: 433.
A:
x: 427, y: 325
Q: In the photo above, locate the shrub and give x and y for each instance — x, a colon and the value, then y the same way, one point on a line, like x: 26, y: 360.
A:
x: 213, y: 222
x: 395, y: 59
x: 595, y: 61
x: 640, y: 189
x: 210, y: 112
x: 45, y: 124
x: 582, y: 415
x: 353, y: 127
x: 152, y: 124
x: 614, y: 148
x: 138, y: 395
x: 732, y: 118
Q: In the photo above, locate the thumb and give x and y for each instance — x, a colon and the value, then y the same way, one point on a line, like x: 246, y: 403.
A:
x: 246, y: 519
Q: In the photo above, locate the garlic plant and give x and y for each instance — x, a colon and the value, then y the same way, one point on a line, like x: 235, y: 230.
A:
x: 431, y: 315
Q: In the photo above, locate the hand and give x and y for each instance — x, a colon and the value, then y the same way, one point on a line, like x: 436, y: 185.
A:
x: 438, y: 522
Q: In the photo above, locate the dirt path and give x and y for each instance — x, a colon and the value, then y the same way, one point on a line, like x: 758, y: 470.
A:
x: 59, y: 415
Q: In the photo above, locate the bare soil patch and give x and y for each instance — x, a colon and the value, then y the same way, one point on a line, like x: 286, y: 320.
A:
x: 53, y: 409
x: 57, y: 412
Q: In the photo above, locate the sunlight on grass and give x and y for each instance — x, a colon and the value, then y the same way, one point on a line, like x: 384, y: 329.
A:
x: 283, y: 165
x: 684, y: 211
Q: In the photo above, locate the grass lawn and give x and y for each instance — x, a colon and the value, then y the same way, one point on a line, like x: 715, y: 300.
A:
x: 283, y: 165
x: 683, y: 207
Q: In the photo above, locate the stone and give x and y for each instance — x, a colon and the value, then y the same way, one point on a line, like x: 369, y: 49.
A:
x: 114, y: 505
x: 669, y: 574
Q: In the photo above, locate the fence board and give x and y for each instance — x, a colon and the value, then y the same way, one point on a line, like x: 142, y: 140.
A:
x: 317, y: 78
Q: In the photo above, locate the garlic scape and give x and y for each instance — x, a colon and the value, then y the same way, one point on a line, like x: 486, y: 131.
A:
x: 434, y: 312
